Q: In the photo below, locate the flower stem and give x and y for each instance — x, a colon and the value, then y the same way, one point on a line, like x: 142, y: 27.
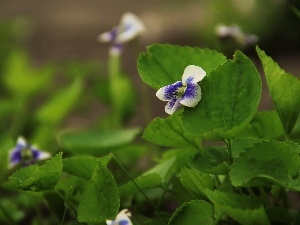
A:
x: 66, y: 206
x: 114, y: 77
x: 229, y: 146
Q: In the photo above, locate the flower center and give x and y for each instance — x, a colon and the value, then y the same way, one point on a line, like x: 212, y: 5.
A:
x: 180, y: 91
x: 26, y: 155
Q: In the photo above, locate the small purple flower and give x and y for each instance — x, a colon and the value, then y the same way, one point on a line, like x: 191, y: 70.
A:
x: 121, y: 219
x: 186, y: 92
x: 130, y: 26
x: 25, y: 154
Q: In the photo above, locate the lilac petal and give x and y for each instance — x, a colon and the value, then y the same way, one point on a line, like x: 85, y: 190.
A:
x: 172, y: 106
x: 130, y: 27
x: 192, y: 74
x: 192, y: 95
x: 169, y: 92
x: 116, y: 49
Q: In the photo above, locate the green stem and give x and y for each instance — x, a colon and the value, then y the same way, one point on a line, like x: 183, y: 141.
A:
x: 66, y: 206
x: 250, y: 191
x: 264, y: 197
x: 229, y: 148
x: 146, y: 197
x: 114, y: 77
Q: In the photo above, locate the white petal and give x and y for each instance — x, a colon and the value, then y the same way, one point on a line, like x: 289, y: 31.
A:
x: 109, y: 222
x: 168, y: 92
x: 124, y: 215
x: 22, y: 142
x: 191, y: 96
x: 192, y: 74
x: 105, y: 37
x: 44, y: 155
x: 161, y: 94
x: 130, y: 27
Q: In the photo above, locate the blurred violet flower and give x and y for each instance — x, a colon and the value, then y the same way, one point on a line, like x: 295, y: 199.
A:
x: 186, y: 92
x: 130, y: 26
x: 236, y: 34
x: 25, y: 154
x: 121, y: 219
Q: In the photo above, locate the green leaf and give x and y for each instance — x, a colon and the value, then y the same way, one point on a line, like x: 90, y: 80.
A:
x: 144, y: 182
x: 96, y: 142
x: 100, y: 200
x: 196, y: 182
x: 21, y: 78
x: 83, y: 165
x: 197, y: 212
x: 164, y: 64
x: 284, y: 89
x: 169, y: 132
x: 241, y: 144
x: 60, y: 105
x: 266, y: 125
x: 171, y: 163
x: 230, y: 97
x: 273, y: 162
x: 245, y: 210
x: 37, y: 178
x: 212, y: 160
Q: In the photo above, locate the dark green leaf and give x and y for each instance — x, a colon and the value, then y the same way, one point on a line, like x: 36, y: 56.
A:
x: 230, y: 97
x: 273, y: 162
x: 100, y: 200
x: 246, y: 210
x: 212, y: 160
x: 169, y: 132
x: 144, y: 182
x: 197, y: 212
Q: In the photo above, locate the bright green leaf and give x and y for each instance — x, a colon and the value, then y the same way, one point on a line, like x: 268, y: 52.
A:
x: 100, y: 200
x: 61, y: 103
x: 197, y: 212
x: 144, y: 182
x: 273, y: 162
x: 163, y: 64
x: 244, y: 209
x: 230, y: 97
x: 96, y: 142
x: 196, y: 182
x: 212, y: 160
x: 37, y: 178
x: 169, y: 132
x: 83, y: 165
x: 171, y: 163
x: 284, y: 89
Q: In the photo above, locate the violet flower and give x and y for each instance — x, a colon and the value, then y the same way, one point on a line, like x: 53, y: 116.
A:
x: 186, y: 92
x: 121, y: 219
x: 25, y: 154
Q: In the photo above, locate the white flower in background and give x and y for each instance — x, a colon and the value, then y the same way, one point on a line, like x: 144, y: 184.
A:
x: 237, y: 34
x: 25, y: 154
x: 130, y: 27
x: 121, y: 219
x: 186, y: 92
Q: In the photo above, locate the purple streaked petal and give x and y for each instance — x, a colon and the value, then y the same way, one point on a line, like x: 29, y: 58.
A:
x: 39, y: 155
x: 124, y: 222
x: 116, y: 49
x: 192, y: 74
x: 15, y: 157
x: 169, y: 92
x: 191, y: 96
x: 172, y: 106
x: 21, y: 143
